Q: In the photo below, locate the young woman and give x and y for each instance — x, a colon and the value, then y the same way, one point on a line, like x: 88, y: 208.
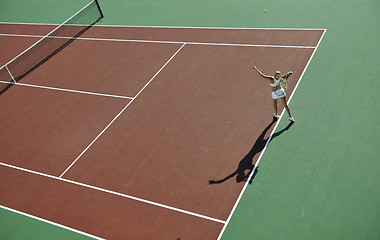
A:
x: 277, y: 91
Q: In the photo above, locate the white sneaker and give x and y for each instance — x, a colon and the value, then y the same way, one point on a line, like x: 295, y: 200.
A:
x: 276, y: 115
x: 291, y: 119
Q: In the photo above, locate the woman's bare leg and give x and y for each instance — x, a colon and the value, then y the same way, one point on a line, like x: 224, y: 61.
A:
x: 275, y: 106
x: 286, y: 106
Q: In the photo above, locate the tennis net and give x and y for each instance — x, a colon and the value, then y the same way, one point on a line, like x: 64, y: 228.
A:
x: 49, y: 45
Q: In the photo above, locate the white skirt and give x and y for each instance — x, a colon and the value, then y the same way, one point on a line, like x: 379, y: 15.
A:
x: 279, y: 93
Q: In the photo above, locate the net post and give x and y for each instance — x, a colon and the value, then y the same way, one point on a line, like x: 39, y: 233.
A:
x: 10, y: 74
x: 100, y: 10
x: 45, y: 48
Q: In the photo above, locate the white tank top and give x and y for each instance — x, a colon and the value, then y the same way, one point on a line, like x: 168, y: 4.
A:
x: 276, y: 82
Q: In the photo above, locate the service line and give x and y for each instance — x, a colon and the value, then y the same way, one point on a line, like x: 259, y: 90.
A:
x: 67, y: 90
x: 117, y: 116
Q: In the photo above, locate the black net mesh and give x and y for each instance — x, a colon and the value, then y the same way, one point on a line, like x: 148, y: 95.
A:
x: 50, y: 45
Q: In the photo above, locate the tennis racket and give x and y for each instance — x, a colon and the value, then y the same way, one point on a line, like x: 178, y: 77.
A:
x: 283, y: 81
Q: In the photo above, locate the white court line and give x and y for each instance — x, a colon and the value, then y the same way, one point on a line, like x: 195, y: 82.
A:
x: 113, y: 120
x: 179, y: 27
x: 268, y: 141
x: 156, y: 41
x: 52, y: 223
x: 10, y: 74
x: 211, y: 28
x: 115, y: 193
x: 67, y: 90
x: 307, y: 65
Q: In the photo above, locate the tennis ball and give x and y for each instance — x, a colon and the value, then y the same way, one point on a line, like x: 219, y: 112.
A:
x: 265, y: 10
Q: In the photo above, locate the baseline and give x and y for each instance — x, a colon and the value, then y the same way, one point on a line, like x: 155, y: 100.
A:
x: 180, y: 27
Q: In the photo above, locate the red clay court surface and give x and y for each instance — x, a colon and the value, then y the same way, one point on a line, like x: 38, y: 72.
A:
x: 183, y: 107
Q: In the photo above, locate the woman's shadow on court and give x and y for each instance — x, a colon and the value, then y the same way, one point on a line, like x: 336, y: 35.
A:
x: 246, y: 164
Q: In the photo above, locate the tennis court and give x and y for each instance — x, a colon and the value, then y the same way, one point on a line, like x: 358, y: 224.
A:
x: 115, y: 131
x: 144, y: 118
